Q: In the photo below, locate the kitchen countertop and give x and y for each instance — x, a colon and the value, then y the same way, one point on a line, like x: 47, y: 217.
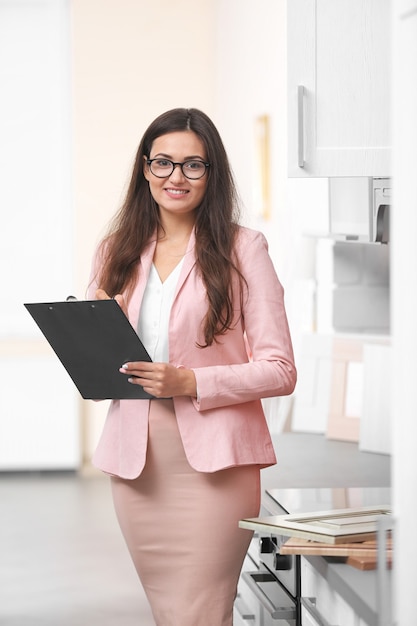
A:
x: 310, y: 460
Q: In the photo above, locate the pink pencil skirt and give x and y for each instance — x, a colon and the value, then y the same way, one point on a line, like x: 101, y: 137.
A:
x: 181, y: 528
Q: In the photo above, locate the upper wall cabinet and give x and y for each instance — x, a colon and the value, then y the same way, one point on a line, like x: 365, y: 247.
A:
x: 339, y: 88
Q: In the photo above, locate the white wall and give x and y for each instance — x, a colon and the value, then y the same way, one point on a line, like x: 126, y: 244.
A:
x: 132, y: 59
x: 38, y: 404
x: 251, y: 77
x: 251, y: 81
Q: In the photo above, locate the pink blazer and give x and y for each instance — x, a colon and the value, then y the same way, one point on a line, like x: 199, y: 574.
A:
x: 226, y: 426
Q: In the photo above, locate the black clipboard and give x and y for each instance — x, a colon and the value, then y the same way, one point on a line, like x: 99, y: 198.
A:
x: 92, y: 339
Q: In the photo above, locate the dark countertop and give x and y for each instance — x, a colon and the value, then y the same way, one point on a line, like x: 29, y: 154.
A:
x: 310, y: 460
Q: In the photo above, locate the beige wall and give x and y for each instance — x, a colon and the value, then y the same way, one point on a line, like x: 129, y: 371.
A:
x: 131, y: 60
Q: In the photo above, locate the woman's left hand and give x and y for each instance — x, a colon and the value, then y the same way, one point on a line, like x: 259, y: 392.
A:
x: 161, y: 380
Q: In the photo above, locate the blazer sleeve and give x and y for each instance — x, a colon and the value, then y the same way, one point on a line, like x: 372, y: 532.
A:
x: 271, y: 370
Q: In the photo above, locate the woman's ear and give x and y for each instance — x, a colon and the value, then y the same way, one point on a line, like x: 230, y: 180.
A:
x: 145, y: 168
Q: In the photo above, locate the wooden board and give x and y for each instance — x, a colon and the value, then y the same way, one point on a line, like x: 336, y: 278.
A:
x: 366, y: 562
x: 362, y: 555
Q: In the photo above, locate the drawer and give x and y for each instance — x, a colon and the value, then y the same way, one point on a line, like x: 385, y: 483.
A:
x: 309, y: 614
x: 246, y: 604
x: 242, y: 616
x: 321, y: 602
x: 276, y: 606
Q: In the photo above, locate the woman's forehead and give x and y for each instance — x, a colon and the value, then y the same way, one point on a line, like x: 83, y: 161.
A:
x: 185, y: 143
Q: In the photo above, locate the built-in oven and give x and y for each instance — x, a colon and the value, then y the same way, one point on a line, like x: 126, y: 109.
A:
x: 273, y: 581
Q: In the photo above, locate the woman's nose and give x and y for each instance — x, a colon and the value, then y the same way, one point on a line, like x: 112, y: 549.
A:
x: 177, y: 173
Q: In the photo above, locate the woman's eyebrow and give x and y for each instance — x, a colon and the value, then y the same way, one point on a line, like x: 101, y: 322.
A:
x: 188, y: 158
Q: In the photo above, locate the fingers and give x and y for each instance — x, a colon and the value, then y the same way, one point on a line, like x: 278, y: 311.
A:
x: 137, y: 368
x: 150, y: 376
x: 121, y: 302
x: 102, y: 295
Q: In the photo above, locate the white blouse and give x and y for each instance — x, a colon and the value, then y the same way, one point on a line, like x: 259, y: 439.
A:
x: 156, y: 306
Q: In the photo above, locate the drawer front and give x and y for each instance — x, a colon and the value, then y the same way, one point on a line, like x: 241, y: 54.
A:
x: 321, y: 601
x: 247, y: 608
x: 310, y: 615
x: 307, y: 619
x: 242, y: 616
x: 276, y: 606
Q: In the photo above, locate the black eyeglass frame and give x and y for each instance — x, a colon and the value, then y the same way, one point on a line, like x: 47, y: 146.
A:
x: 174, y: 165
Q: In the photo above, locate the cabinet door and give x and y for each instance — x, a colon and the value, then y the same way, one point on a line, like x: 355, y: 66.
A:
x: 338, y: 88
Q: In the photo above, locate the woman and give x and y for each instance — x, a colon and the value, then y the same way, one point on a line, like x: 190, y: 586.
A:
x: 204, y: 297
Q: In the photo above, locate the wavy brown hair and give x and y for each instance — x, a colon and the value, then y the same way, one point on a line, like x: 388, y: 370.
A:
x: 215, y: 226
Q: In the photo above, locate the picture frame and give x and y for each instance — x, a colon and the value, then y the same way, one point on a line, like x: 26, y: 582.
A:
x: 262, y: 188
x: 346, y: 389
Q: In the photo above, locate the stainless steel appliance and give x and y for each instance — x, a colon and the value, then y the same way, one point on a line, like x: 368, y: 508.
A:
x: 270, y: 588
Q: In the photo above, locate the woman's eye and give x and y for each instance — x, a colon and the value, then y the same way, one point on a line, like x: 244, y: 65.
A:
x: 194, y: 165
x: 162, y: 163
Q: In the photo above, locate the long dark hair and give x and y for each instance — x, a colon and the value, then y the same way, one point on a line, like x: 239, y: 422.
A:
x: 215, y: 226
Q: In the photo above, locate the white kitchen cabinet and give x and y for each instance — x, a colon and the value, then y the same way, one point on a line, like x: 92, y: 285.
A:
x: 307, y: 619
x: 339, y: 88
x: 321, y: 602
x: 327, y: 602
x: 310, y: 617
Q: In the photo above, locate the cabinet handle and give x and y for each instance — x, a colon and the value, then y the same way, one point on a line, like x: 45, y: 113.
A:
x: 300, y: 124
x: 310, y: 605
x: 285, y: 609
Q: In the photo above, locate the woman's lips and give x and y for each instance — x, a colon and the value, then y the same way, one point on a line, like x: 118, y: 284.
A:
x: 176, y: 192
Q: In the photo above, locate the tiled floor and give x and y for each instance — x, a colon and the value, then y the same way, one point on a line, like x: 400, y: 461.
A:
x: 62, y: 558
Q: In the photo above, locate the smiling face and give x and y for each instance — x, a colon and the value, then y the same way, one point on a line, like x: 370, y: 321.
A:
x: 176, y: 194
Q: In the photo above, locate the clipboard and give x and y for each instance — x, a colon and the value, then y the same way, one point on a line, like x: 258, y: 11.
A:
x: 92, y: 339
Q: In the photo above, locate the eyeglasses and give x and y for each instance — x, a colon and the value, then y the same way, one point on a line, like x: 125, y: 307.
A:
x: 162, y: 168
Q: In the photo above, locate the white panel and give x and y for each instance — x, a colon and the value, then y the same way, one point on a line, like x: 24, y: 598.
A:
x: 354, y: 390
x: 312, y: 395
x: 35, y: 237
x: 375, y: 427
x: 352, y: 84
x: 308, y: 200
x: 405, y: 8
x: 404, y: 315
x: 39, y: 424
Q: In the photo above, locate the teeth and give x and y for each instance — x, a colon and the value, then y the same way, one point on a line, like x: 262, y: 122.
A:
x: 177, y: 191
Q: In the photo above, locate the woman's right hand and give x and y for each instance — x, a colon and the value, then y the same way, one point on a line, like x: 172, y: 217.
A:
x: 102, y: 295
